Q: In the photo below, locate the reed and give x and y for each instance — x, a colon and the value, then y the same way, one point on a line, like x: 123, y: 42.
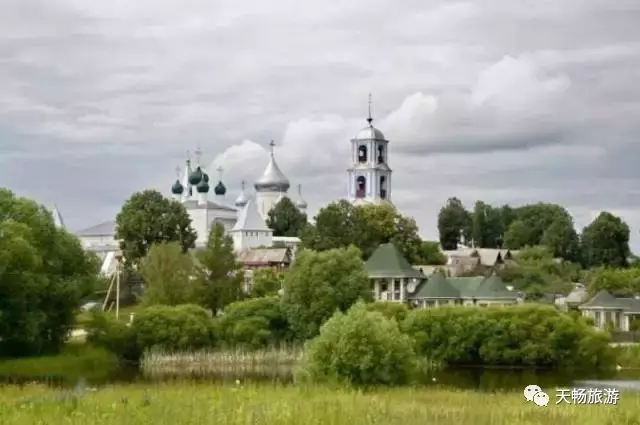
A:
x: 274, y: 361
x: 199, y: 403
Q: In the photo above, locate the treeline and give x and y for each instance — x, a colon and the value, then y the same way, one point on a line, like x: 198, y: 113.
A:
x: 604, y: 242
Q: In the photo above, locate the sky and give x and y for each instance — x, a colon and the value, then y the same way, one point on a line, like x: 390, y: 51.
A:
x: 495, y: 100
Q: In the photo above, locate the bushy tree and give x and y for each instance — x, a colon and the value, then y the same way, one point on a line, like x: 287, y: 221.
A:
x: 149, y: 218
x: 361, y: 348
x: 453, y: 220
x: 285, y: 219
x: 44, y: 275
x: 254, y: 323
x: 528, y: 335
x: 266, y: 282
x: 430, y: 254
x: 220, y: 275
x: 319, y: 283
x: 618, y: 282
x: 605, y: 242
x: 168, y: 274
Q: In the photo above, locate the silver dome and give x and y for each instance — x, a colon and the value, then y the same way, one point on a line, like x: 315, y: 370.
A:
x: 370, y: 132
x: 242, y: 199
x: 301, y: 203
x: 272, y: 180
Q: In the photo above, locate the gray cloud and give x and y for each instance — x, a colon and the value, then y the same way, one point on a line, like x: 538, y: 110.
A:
x: 495, y: 100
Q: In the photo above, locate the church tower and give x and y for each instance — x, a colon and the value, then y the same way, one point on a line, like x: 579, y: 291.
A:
x: 271, y: 187
x: 370, y: 175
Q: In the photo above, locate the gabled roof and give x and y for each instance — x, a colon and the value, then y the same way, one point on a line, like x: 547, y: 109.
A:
x: 265, y: 256
x: 387, y: 261
x: 437, y: 286
x: 108, y: 228
x: 604, y: 299
x: 494, y: 288
x: 250, y: 219
x: 468, y: 286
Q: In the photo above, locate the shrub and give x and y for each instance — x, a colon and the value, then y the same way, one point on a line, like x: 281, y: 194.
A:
x: 360, y: 348
x: 528, y: 335
x: 254, y: 323
x: 397, y: 311
x: 113, y: 335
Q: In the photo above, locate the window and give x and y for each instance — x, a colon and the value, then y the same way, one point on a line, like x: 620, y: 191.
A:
x: 362, y: 153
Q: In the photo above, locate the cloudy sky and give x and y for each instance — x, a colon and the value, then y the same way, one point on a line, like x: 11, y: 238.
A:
x: 504, y: 101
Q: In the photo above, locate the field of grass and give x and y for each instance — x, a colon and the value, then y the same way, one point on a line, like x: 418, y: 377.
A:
x: 189, y: 403
x: 628, y: 356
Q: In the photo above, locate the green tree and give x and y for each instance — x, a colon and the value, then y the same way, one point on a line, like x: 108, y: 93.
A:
x: 487, y: 227
x: 341, y: 224
x: 254, y: 323
x: 319, y: 283
x: 44, y: 275
x: 517, y: 235
x: 605, y: 242
x: 562, y: 238
x: 616, y: 281
x: 430, y: 254
x: 266, y: 282
x: 360, y: 348
x: 285, y: 219
x: 148, y: 218
x: 453, y: 220
x: 220, y: 275
x: 168, y: 274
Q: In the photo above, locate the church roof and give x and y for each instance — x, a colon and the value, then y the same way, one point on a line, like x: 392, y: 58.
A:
x: 108, y: 228
x: 437, y: 286
x: 370, y: 132
x: 387, y: 261
x: 265, y: 256
x: 250, y: 219
x: 193, y: 204
x: 273, y: 179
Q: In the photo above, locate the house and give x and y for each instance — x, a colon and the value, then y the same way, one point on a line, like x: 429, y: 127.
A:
x: 607, y: 310
x: 394, y: 279
x: 466, y: 259
x: 259, y: 258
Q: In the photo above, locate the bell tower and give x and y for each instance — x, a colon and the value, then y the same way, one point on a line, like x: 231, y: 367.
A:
x: 369, y: 175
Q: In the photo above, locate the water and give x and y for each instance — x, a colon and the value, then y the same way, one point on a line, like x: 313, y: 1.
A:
x: 472, y: 378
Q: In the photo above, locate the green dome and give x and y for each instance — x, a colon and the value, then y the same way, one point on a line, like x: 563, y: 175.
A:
x: 205, y: 177
x: 203, y: 186
x: 195, y: 176
x: 220, y: 189
x: 177, y: 188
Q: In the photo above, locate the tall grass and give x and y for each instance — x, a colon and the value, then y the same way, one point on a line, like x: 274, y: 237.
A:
x: 628, y: 356
x: 189, y: 403
x: 266, y: 363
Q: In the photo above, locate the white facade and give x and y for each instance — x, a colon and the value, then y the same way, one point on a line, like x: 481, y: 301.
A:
x: 250, y: 231
x: 369, y: 177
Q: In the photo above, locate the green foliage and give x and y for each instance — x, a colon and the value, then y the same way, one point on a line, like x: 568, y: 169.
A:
x: 487, y: 226
x: 319, y: 283
x: 430, y: 254
x: 528, y: 335
x: 605, y: 242
x: 149, y: 218
x: 266, y: 282
x: 44, y: 275
x: 618, y: 282
x: 108, y: 333
x: 254, y: 323
x: 453, y: 220
x: 361, y: 348
x: 285, y: 219
x: 168, y: 275
x: 220, y: 275
x: 396, y: 311
x: 341, y: 224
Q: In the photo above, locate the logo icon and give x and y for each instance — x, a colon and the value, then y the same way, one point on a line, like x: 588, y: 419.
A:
x: 534, y: 393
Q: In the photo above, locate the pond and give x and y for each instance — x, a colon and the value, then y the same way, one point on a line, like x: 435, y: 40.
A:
x: 474, y: 378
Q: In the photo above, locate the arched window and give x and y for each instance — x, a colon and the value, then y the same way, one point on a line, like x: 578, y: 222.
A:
x: 383, y: 187
x: 380, y: 154
x: 361, y: 186
x: 362, y: 153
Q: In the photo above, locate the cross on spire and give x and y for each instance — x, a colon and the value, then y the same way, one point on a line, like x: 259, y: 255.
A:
x: 178, y: 171
x: 369, y: 118
x: 242, y: 184
x: 220, y: 170
x: 198, y: 153
x: 272, y: 146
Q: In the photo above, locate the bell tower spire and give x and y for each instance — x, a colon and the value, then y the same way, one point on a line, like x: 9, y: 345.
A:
x: 369, y: 177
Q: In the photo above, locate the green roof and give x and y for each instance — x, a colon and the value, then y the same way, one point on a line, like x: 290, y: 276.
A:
x: 604, y: 299
x: 437, y: 286
x: 467, y: 286
x: 388, y: 262
x: 494, y: 287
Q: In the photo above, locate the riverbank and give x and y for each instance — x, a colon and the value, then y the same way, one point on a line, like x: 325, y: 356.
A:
x: 188, y: 403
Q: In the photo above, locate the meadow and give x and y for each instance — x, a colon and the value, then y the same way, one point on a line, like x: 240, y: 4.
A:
x: 192, y: 403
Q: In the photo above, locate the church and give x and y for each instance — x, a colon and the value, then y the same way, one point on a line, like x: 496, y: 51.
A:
x: 369, y: 182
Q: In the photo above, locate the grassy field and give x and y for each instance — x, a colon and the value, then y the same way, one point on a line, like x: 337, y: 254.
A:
x: 183, y: 404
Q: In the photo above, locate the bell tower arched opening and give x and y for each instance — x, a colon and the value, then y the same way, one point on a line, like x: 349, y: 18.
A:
x: 362, y: 154
x: 383, y: 187
x: 380, y: 154
x: 361, y: 186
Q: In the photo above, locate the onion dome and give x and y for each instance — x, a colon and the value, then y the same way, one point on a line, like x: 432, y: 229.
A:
x: 220, y: 189
x: 301, y: 203
x: 177, y: 188
x: 203, y: 186
x: 241, y: 200
x: 272, y: 180
x: 196, y: 176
